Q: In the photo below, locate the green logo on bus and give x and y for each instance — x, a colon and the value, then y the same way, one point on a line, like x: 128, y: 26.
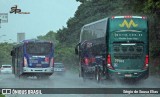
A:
x: 128, y: 25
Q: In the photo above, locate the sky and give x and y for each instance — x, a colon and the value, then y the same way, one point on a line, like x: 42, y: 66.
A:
x: 45, y: 16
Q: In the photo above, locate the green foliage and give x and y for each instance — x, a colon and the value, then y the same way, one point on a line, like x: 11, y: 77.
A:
x: 50, y: 36
x: 62, y: 35
x: 65, y: 54
x: 152, y: 6
x: 154, y: 51
x: 5, y: 49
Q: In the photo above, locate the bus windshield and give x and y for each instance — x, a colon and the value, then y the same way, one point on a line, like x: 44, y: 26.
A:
x: 38, y: 48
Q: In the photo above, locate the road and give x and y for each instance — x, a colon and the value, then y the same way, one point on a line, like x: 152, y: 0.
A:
x: 71, y: 80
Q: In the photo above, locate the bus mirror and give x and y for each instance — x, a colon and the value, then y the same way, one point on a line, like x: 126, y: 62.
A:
x: 12, y: 53
x: 77, y: 49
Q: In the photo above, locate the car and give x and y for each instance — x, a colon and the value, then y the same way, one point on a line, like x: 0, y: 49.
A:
x: 59, y: 68
x: 6, y: 68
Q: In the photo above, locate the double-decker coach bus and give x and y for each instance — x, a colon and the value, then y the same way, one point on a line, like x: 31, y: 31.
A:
x: 33, y: 58
x: 92, y: 49
x: 128, y: 47
x: 121, y: 42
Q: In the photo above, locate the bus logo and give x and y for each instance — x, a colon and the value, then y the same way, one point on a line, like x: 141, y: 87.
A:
x: 128, y: 25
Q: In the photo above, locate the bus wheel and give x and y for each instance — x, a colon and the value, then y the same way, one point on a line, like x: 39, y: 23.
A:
x: 38, y: 77
x: 84, y: 79
x: 16, y: 76
x: 84, y: 76
x: 46, y: 77
x: 97, y: 75
x: 23, y: 77
x: 80, y: 73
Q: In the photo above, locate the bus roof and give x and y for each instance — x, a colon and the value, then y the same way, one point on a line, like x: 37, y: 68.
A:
x: 30, y: 40
x: 34, y: 40
x: 141, y: 17
x: 105, y: 19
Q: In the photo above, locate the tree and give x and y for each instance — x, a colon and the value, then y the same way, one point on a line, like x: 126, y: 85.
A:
x: 50, y: 36
x: 5, y: 49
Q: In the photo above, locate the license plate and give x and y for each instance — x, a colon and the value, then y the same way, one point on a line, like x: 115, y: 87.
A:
x: 59, y: 70
x: 128, y: 75
x: 39, y: 65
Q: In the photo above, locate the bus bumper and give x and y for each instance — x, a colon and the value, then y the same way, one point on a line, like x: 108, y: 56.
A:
x: 133, y: 74
x: 38, y: 70
x: 88, y: 69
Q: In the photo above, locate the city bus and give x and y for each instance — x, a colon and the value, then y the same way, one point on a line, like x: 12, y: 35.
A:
x: 33, y: 58
x: 120, y: 42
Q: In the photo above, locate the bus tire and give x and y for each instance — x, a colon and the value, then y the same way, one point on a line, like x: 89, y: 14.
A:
x: 84, y: 76
x: 80, y: 72
x: 46, y: 77
x: 84, y: 79
x: 16, y: 76
x: 97, y: 74
x: 22, y: 77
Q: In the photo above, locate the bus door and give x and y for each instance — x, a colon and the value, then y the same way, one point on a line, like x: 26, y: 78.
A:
x: 19, y: 61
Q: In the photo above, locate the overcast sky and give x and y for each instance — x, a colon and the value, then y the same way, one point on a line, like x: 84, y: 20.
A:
x: 45, y: 16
